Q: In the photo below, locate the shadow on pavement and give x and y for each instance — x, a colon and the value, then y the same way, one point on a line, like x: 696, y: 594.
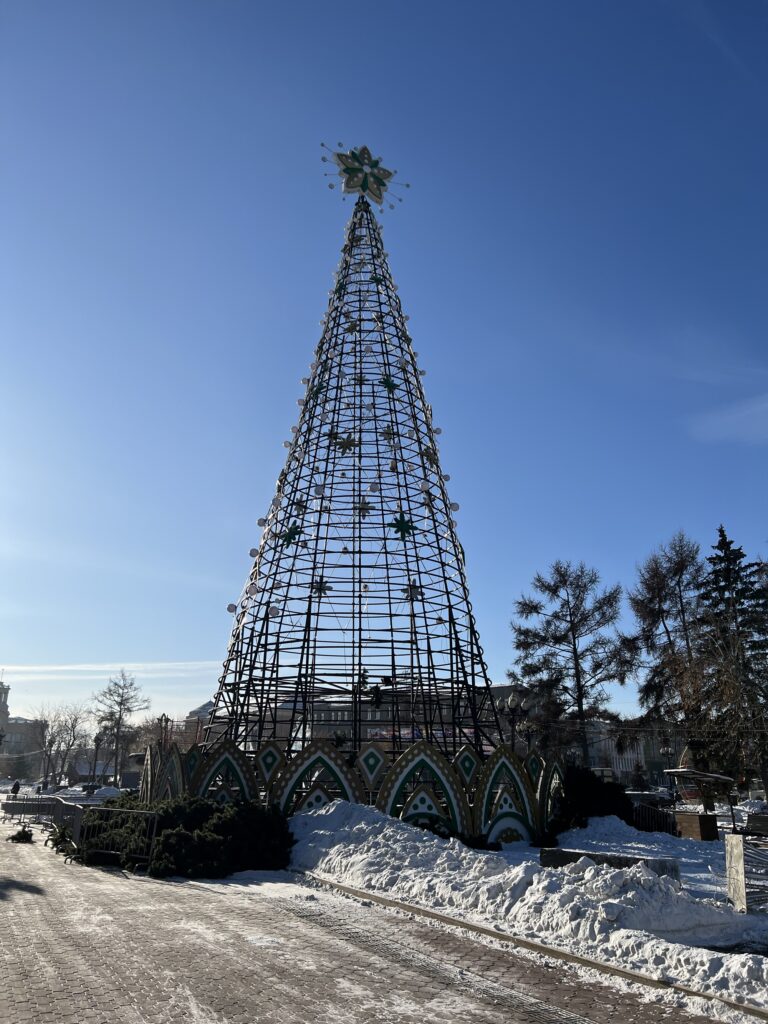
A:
x: 7, y: 885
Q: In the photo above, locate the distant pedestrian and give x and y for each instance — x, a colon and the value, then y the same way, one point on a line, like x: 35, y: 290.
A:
x: 16, y: 787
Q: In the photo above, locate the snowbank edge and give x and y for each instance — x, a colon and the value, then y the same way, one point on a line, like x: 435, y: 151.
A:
x: 537, y: 947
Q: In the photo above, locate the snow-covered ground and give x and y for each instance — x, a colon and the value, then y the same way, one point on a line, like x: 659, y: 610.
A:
x: 628, y: 917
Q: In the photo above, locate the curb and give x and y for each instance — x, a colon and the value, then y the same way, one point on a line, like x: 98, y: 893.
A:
x: 539, y: 947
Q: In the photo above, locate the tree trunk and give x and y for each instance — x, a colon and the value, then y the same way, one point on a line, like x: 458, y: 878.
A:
x: 117, y: 753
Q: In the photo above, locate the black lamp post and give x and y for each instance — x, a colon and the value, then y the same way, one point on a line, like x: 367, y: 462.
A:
x: 515, y: 710
x: 509, y: 710
x: 668, y: 752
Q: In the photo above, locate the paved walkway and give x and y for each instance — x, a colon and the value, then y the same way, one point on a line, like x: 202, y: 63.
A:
x: 83, y: 946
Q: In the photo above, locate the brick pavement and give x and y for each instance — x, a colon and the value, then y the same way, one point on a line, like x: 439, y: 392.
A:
x: 94, y: 947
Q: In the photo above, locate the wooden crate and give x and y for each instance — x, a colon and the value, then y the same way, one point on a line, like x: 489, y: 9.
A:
x: 696, y: 826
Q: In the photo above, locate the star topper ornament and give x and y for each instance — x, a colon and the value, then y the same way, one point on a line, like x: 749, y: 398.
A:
x: 361, y: 173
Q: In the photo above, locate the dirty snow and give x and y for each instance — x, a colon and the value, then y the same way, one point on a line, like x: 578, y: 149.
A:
x: 629, y: 917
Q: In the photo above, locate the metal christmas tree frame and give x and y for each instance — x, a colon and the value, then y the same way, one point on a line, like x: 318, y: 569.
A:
x: 355, y: 622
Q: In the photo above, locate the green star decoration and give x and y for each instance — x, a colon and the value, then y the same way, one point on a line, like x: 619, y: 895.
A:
x: 346, y: 444
x: 390, y: 384
x: 403, y: 527
x: 362, y: 173
x: 363, y: 508
x: 388, y: 434
x: 320, y: 586
x: 291, y: 535
x: 413, y: 592
x: 376, y: 279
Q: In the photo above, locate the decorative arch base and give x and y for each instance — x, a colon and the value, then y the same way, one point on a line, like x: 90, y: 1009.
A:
x: 499, y: 798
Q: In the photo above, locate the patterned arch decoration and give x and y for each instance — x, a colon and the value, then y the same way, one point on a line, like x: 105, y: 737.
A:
x: 551, y: 792
x: 192, y: 760
x: 172, y: 778
x: 505, y: 803
x: 224, y: 774
x: 269, y: 762
x: 319, y: 774
x: 372, y: 763
x: 467, y: 764
x: 149, y: 774
x: 534, y: 766
x: 422, y: 771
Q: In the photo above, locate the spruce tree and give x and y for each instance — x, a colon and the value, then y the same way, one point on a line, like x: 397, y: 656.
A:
x: 665, y: 602
x: 734, y: 624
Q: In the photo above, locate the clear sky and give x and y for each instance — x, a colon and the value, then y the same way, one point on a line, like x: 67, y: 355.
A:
x: 582, y: 254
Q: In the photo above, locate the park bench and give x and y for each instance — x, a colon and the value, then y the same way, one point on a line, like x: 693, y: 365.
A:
x: 757, y: 825
x: 557, y: 857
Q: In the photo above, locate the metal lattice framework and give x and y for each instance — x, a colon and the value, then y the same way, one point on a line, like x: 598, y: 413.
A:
x: 355, y: 621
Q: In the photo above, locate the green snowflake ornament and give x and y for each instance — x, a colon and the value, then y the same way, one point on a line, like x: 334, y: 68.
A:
x: 291, y: 535
x: 346, y: 444
x: 321, y: 587
x: 363, y: 174
x: 413, y: 592
x: 403, y: 527
x: 388, y: 434
x: 390, y: 384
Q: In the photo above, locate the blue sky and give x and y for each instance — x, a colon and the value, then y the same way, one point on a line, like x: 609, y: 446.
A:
x: 582, y: 254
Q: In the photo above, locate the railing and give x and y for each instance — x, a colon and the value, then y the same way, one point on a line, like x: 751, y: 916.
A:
x: 97, y: 832
x: 114, y: 832
x: 38, y: 808
x: 746, y: 871
x: 654, y: 819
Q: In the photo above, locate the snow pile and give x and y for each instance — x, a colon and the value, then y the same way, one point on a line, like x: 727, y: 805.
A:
x: 629, y: 916
x: 361, y: 847
x: 106, y: 792
x: 702, y: 863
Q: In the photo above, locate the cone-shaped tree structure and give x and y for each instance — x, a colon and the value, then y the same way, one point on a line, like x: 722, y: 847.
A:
x: 355, y: 619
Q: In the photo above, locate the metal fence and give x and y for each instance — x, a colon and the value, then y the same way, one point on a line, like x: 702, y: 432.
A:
x: 654, y: 819
x: 114, y: 832
x: 97, y: 832
x: 32, y: 808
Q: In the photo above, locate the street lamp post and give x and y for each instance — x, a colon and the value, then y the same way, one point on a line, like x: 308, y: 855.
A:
x: 509, y: 709
x: 515, y: 710
x: 667, y: 752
